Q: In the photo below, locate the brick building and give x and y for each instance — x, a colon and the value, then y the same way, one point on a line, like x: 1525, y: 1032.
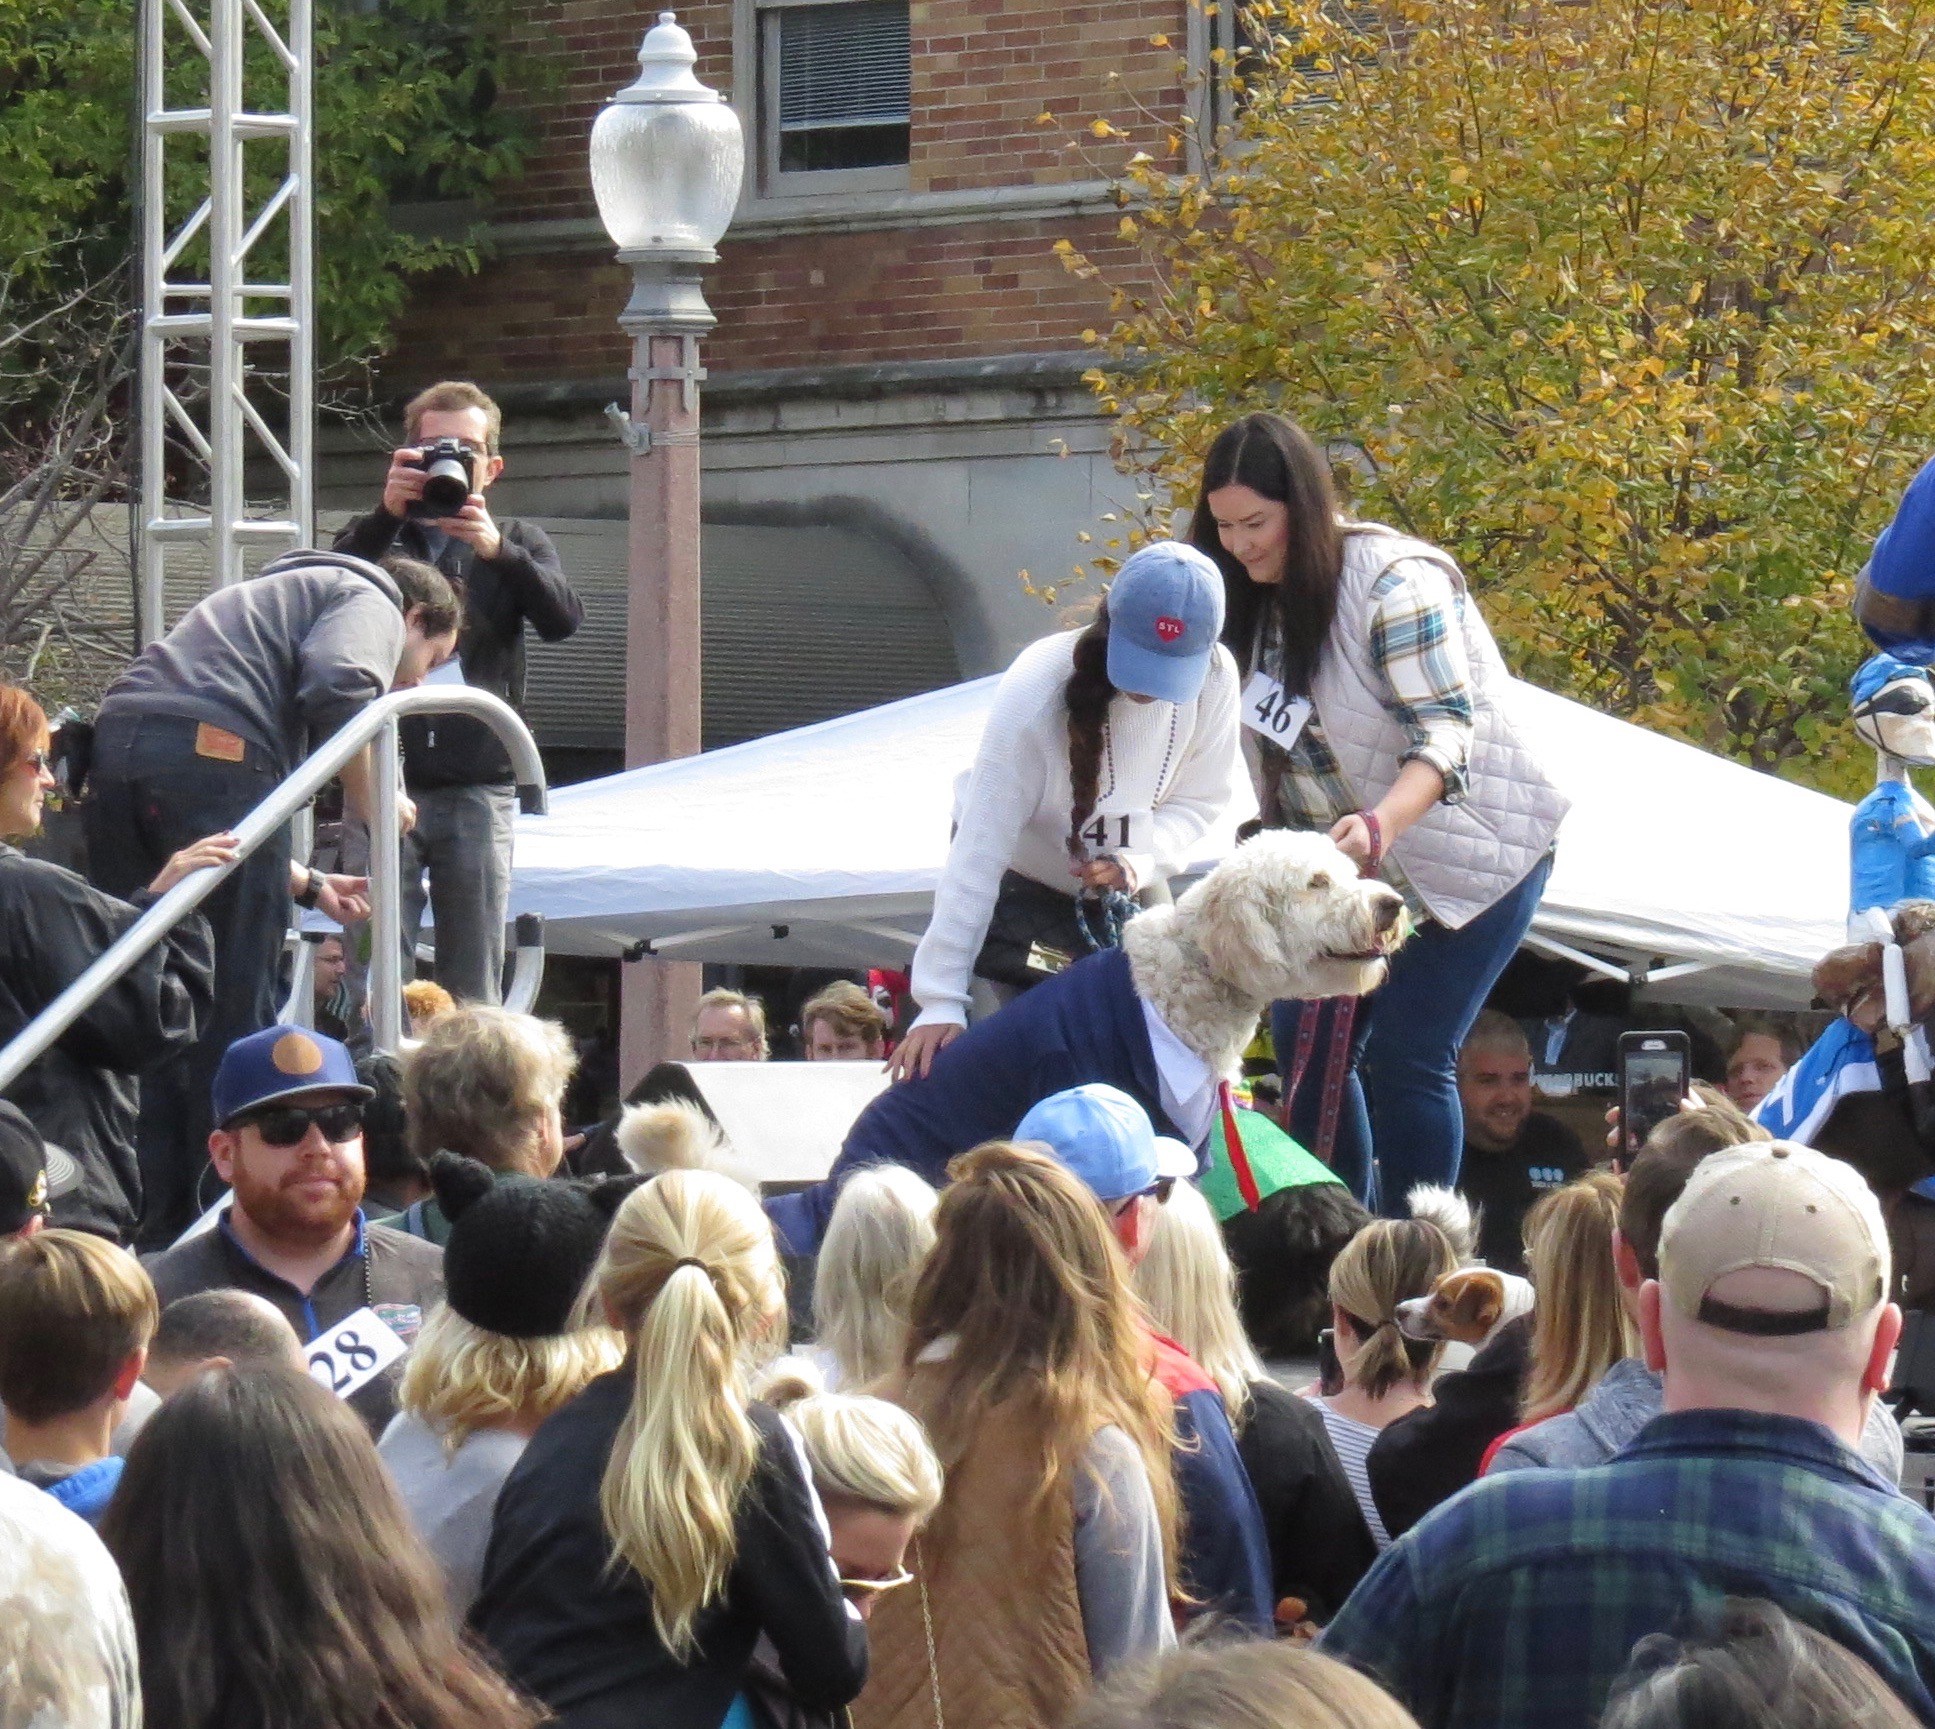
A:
x: 895, y: 427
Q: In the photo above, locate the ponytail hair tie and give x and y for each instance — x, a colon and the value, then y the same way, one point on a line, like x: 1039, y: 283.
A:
x: 690, y: 1261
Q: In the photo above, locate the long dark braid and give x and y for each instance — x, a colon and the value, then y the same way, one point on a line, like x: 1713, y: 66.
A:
x: 1088, y: 694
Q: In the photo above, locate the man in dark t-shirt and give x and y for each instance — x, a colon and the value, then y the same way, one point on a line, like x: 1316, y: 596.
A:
x: 1513, y: 1154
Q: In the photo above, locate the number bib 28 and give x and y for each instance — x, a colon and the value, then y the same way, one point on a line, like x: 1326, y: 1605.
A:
x: 345, y: 1358
x: 1270, y: 710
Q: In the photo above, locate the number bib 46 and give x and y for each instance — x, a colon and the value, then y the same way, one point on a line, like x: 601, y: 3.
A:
x: 1269, y: 710
x: 345, y: 1358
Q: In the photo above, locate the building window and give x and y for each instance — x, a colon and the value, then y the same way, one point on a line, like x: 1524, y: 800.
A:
x: 836, y: 95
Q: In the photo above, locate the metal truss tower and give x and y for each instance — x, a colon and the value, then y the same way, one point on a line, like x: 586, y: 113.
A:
x: 228, y: 288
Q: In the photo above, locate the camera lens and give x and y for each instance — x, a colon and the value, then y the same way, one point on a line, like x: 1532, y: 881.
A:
x: 446, y: 485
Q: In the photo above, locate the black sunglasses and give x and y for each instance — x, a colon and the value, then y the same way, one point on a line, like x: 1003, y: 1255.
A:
x: 1159, y: 1191
x: 288, y: 1125
x: 1895, y: 702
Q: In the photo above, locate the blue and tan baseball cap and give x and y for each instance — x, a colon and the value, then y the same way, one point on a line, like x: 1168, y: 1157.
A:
x: 281, y: 1063
x: 1165, y: 614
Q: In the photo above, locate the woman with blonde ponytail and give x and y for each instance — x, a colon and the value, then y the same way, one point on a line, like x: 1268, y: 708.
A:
x: 1386, y: 1375
x: 663, y: 1521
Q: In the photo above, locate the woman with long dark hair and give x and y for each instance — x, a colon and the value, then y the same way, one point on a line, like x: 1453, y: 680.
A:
x: 275, y: 1579
x: 1107, y: 754
x: 1371, y: 713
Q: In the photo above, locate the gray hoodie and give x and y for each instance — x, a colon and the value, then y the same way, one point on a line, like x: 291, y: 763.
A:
x: 1627, y: 1398
x: 282, y: 658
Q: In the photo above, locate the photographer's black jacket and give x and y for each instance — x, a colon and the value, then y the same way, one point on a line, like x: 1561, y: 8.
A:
x: 81, y: 1095
x: 523, y: 584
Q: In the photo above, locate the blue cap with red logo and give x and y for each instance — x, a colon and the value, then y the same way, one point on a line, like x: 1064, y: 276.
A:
x: 1165, y: 614
x: 282, y: 1063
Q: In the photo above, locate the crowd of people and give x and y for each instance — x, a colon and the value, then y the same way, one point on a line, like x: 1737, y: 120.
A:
x: 446, y: 1416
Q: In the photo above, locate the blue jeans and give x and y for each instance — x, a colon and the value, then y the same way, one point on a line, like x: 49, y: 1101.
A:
x: 463, y: 840
x: 1404, y: 1053
x: 150, y: 795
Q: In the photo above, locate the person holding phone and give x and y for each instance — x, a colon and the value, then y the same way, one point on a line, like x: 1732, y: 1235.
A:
x: 1107, y: 754
x: 1371, y: 713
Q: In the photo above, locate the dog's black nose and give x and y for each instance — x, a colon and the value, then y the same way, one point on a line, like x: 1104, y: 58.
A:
x: 1389, y: 907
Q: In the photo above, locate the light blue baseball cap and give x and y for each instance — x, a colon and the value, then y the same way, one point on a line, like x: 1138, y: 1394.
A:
x: 1165, y: 614
x: 1106, y: 1139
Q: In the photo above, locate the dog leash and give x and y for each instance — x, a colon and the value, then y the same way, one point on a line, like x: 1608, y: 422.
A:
x: 1246, y: 1184
x: 1336, y: 1065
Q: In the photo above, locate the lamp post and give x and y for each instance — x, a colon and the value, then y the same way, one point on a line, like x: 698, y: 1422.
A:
x: 667, y: 155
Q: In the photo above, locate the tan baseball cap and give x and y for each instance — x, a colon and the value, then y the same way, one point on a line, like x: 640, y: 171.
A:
x: 1779, y: 1205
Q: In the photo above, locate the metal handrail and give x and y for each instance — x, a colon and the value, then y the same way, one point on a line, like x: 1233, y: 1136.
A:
x: 376, y: 723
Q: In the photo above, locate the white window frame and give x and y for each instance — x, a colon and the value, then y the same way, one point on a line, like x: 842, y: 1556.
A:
x: 755, y: 88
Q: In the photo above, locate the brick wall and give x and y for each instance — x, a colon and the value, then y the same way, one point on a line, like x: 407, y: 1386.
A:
x: 983, y: 71
x: 916, y: 294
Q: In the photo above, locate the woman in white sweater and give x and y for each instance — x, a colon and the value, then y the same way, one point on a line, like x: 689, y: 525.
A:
x: 1107, y: 755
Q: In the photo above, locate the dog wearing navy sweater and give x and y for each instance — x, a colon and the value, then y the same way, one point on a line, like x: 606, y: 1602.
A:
x: 1165, y: 1017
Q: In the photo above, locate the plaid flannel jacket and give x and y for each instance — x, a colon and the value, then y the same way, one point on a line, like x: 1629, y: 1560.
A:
x: 1517, y: 1603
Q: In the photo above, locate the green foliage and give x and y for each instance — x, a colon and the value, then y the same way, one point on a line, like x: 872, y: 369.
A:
x: 1628, y: 304
x: 405, y: 110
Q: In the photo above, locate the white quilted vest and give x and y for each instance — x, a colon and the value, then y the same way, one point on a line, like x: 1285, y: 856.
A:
x: 1463, y: 857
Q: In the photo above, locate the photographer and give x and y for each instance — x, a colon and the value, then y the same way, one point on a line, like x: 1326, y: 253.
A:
x: 456, y: 771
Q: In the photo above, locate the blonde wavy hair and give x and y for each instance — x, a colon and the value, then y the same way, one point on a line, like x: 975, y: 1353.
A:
x: 880, y: 1233
x: 483, y: 1083
x: 1027, y: 1280
x: 868, y: 1453
x: 1388, y: 1261
x: 691, y: 1275
x: 1580, y: 1328
x: 1188, y: 1284
x: 460, y: 1378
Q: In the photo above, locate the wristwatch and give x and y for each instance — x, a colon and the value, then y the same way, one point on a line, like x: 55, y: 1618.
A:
x: 312, y: 889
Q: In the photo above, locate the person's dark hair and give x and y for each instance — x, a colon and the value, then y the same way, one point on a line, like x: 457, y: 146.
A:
x: 248, y: 1330
x: 426, y: 586
x: 275, y: 1577
x: 1088, y: 694
x: 1283, y: 1253
x: 1279, y: 460
x: 1783, y: 1032
x: 1661, y: 1167
x: 1749, y: 1666
x: 387, y: 1155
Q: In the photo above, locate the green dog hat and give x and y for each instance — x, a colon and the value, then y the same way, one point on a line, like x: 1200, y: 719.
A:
x: 1275, y: 1160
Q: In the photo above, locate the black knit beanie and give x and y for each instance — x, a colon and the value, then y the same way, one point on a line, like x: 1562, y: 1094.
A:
x: 520, y: 1247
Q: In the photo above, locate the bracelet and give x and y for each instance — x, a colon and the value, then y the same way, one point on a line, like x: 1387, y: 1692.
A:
x: 312, y: 889
x: 1376, y: 827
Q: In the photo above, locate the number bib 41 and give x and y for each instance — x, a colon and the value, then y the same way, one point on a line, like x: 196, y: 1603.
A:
x: 345, y: 1358
x: 1268, y: 709
x: 1114, y: 831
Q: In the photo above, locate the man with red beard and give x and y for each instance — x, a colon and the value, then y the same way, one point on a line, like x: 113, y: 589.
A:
x: 289, y: 1143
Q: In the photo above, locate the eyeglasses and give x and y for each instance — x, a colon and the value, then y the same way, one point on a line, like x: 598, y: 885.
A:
x: 1159, y: 1191
x: 288, y: 1125
x: 39, y: 761
x: 863, y: 1588
x: 713, y: 1047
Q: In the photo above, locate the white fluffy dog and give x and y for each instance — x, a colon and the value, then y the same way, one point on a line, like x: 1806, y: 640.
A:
x: 1285, y: 915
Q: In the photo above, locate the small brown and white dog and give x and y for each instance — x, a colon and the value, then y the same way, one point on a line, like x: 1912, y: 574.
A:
x: 1468, y: 1306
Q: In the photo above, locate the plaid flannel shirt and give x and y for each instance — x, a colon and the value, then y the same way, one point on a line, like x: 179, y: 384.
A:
x: 1516, y: 1603
x: 1418, y: 650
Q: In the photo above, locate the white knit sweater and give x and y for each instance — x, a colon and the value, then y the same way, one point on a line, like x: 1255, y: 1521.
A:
x: 1178, y: 762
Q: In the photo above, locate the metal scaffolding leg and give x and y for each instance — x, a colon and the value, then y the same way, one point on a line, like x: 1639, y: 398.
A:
x: 227, y: 332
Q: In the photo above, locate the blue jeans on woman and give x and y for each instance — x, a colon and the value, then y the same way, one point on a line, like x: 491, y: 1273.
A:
x: 1404, y: 1053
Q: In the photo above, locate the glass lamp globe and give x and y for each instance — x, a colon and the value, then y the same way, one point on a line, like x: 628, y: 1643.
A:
x: 667, y: 153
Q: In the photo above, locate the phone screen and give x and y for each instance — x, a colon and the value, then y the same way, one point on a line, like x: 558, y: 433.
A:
x: 1652, y: 1085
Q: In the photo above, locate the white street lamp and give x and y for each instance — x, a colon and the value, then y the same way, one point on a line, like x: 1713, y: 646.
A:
x: 667, y: 155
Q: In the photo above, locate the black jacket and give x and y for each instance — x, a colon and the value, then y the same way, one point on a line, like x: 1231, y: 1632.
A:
x: 1429, y: 1454
x: 523, y: 584
x: 82, y: 1094
x: 1319, y: 1544
x: 581, y: 1639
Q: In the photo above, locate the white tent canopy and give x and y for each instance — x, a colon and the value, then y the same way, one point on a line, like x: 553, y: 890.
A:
x: 1700, y: 879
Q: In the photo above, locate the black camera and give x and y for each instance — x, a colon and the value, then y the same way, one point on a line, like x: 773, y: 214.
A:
x: 448, y: 478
